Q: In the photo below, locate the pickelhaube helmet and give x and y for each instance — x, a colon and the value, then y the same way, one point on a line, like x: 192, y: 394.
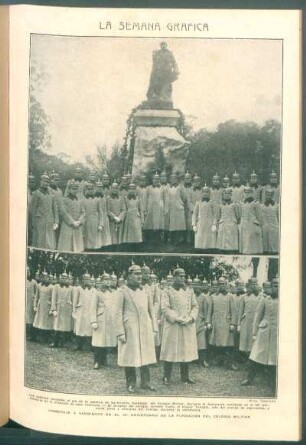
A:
x: 216, y: 176
x: 236, y: 175
x: 247, y: 188
x: 196, y: 280
x: 134, y: 268
x: 45, y: 176
x: 53, y: 174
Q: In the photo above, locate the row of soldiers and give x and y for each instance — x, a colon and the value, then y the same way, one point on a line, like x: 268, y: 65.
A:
x: 97, y: 215
x: 176, y: 320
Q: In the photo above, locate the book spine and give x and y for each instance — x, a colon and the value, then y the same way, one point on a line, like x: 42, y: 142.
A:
x: 4, y: 214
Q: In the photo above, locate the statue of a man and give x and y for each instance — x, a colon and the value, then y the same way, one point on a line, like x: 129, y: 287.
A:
x: 164, y: 72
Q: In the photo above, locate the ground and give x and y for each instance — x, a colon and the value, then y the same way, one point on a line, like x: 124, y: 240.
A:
x: 66, y: 371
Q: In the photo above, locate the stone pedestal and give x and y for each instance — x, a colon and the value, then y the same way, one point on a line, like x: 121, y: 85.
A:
x: 157, y: 137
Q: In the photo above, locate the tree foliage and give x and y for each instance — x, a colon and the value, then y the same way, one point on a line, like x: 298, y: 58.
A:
x: 55, y: 263
x: 241, y: 146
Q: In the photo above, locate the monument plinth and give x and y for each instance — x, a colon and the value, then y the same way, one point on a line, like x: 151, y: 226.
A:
x: 162, y: 118
x: 157, y: 137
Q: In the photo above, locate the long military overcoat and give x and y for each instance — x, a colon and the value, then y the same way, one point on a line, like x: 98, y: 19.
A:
x: 62, y: 299
x: 43, y: 319
x: 71, y: 238
x: 135, y: 318
x: 264, y: 349
x: 246, y: 313
x: 44, y: 214
x: 81, y: 311
x: 102, y: 311
x: 221, y: 314
x: 179, y: 342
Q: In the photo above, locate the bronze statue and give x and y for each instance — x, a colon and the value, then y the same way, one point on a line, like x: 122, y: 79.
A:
x: 164, y: 72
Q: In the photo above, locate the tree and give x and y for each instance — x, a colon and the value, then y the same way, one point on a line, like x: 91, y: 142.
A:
x: 241, y: 146
x: 39, y: 136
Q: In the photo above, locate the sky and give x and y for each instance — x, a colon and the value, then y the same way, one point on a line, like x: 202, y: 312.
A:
x: 93, y: 83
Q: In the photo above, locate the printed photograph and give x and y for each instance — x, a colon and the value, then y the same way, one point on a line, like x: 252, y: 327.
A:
x: 150, y: 145
x: 194, y: 326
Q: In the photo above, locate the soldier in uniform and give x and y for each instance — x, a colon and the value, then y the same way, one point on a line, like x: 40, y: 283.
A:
x: 105, y: 234
x: 179, y: 340
x: 204, y: 221
x: 105, y: 185
x: 196, y: 193
x: 72, y: 213
x: 265, y: 327
x: 30, y: 298
x: 215, y: 189
x: 201, y: 321
x: 135, y: 328
x: 92, y: 179
x: 44, y: 213
x: 79, y: 181
x: 240, y: 292
x: 221, y: 321
x: 124, y: 186
x: 266, y: 289
x: 141, y: 188
x: 94, y: 219
x: 102, y: 315
x: 177, y: 211
x: 270, y: 226
x: 31, y: 190
x: 113, y: 282
x: 237, y: 188
x: 256, y: 187
x: 246, y: 313
x: 165, y: 187
x: 273, y: 185
x: 116, y: 211
x: 134, y: 220
x: 54, y: 185
x: 225, y: 182
x: 61, y: 307
x: 250, y: 239
x: 154, y: 210
x: 121, y: 282
x: 228, y: 220
x: 43, y: 320
x: 189, y: 207
x: 81, y: 311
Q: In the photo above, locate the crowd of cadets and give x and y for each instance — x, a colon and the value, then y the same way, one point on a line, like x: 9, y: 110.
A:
x: 226, y: 216
x: 217, y: 323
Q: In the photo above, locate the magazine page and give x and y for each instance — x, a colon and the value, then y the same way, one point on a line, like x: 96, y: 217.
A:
x: 155, y: 222
x: 4, y: 229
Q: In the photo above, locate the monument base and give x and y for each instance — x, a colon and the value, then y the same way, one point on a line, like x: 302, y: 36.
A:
x: 158, y: 142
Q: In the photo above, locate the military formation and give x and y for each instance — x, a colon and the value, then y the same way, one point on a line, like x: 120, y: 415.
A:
x: 175, y: 320
x: 162, y: 212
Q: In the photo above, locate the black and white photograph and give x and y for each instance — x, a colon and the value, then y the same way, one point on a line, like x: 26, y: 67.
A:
x: 145, y: 325
x: 154, y: 145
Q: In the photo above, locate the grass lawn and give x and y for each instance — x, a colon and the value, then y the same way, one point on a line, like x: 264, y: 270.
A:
x: 66, y: 371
